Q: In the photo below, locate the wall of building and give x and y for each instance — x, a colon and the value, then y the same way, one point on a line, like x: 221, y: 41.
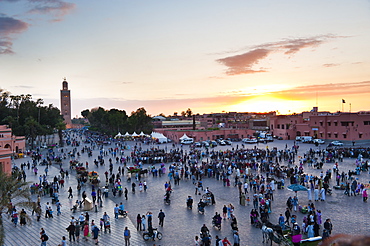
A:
x: 9, y: 145
x: 342, y: 126
x: 5, y: 160
x: 16, y: 144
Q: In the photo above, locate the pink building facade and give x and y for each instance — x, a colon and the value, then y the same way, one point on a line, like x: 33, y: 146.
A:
x: 9, y: 146
x: 342, y: 126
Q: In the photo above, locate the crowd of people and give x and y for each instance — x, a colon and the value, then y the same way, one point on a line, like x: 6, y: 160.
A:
x: 255, y: 172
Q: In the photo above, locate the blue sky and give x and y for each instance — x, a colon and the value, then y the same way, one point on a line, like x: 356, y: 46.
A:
x: 167, y: 56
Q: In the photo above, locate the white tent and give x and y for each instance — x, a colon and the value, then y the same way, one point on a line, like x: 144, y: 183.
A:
x: 134, y: 134
x: 127, y: 134
x: 185, y: 137
x: 119, y: 135
x: 161, y: 138
x: 142, y: 134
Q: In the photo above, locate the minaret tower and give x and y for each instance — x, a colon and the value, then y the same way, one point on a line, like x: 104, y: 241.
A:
x: 65, y: 103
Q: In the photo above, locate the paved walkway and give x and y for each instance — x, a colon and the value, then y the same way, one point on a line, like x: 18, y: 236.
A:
x: 181, y: 224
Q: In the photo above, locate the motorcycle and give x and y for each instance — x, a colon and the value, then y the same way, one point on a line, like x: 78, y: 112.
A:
x: 123, y: 213
x: 166, y: 198
x: 154, y: 234
x: 205, y: 238
x: 216, y: 224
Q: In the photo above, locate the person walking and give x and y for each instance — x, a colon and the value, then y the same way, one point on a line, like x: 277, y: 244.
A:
x: 116, y: 211
x: 236, y: 239
x: 64, y: 242
x: 143, y: 222
x: 86, y: 230
x: 328, y: 226
x: 127, y: 235
x: 138, y: 222
x: 95, y: 232
x: 15, y: 217
x: 70, y: 195
x: 161, y: 216
x: 77, y: 231
x: 44, y: 238
x: 126, y: 192
x: 71, y: 230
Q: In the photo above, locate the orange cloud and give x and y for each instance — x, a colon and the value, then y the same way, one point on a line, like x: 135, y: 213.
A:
x: 242, y: 64
x: 330, y: 65
x: 339, y: 89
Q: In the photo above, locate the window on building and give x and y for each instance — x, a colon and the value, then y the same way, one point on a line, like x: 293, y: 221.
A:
x: 320, y: 123
x: 287, y: 126
x: 329, y: 135
x: 344, y: 135
x: 366, y: 123
x: 335, y: 135
x: 307, y: 133
x: 359, y: 135
x: 272, y: 126
x: 282, y: 126
x: 335, y: 123
x: 278, y: 126
x: 321, y: 135
x: 329, y: 124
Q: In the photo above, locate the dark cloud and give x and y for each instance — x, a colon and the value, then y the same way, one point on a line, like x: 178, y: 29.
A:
x: 8, y: 27
x: 243, y: 63
x: 56, y: 8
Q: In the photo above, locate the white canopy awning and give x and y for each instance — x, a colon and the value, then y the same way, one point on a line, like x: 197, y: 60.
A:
x: 185, y: 137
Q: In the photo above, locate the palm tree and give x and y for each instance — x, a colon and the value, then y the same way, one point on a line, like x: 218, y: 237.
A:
x: 15, y: 191
x: 60, y: 126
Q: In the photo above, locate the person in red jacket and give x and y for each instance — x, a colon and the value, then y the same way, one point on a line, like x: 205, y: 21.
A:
x: 226, y: 242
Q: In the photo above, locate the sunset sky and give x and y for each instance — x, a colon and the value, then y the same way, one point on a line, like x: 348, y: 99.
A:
x: 207, y: 55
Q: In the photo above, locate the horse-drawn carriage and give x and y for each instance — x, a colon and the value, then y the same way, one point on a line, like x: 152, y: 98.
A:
x: 137, y: 169
x: 74, y: 164
x: 284, y: 236
x: 275, y: 233
x: 93, y: 177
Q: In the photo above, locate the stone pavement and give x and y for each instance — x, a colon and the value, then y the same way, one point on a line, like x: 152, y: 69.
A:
x: 56, y: 227
x: 181, y: 224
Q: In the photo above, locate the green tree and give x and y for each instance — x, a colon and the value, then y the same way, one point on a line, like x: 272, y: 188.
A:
x: 140, y: 121
x: 31, y: 127
x: 189, y: 113
x: 85, y: 113
x: 116, y: 120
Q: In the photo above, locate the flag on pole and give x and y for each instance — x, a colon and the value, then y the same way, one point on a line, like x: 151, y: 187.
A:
x: 343, y: 101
